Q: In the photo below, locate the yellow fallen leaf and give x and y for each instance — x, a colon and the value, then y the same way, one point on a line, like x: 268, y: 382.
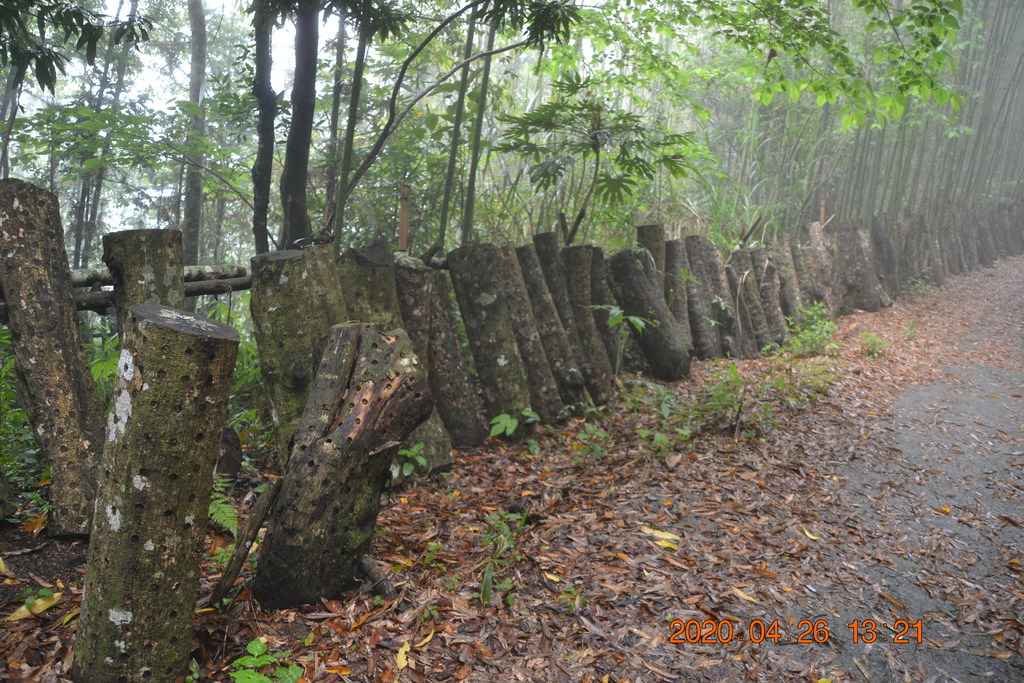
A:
x: 38, y: 605
x: 430, y: 636
x: 809, y: 535
x: 552, y: 577
x: 402, y: 660
x: 667, y: 544
x: 824, y: 680
x: 340, y: 670
x: 660, y: 534
x: 69, y: 616
x: 945, y: 509
x: 3, y: 567
x: 743, y: 595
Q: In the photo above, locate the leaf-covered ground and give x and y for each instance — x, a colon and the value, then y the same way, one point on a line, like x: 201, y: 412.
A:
x: 895, y: 499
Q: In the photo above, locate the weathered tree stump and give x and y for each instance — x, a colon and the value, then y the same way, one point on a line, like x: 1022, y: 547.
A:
x: 706, y: 265
x: 369, y: 279
x: 296, y: 298
x: 142, y: 581
x: 602, y: 299
x: 544, y: 398
x: 424, y: 297
x: 546, y: 247
x: 744, y: 342
x: 596, y: 365
x: 651, y: 237
x: 790, y: 298
x: 770, y: 289
x: 752, y: 298
x: 677, y: 272
x: 146, y: 267
x: 855, y: 281
x: 476, y: 275
x: 59, y: 392
x: 564, y: 366
x: 368, y: 397
x: 661, y: 339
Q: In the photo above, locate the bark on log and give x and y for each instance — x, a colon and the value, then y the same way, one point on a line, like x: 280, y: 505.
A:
x: 146, y: 268
x: 424, y: 298
x: 295, y: 300
x: 596, y: 365
x: 477, y: 280
x: 770, y: 289
x: 706, y: 264
x: 571, y: 385
x: 707, y: 341
x: 745, y: 343
x: 544, y: 397
x: 677, y: 272
x: 367, y: 278
x: 652, y: 238
x: 855, y: 282
x: 368, y: 397
x: 603, y: 300
x: 546, y: 247
x: 752, y: 299
x: 142, y: 580
x: 789, y: 286
x: 88, y: 277
x: 661, y: 340
x: 59, y: 392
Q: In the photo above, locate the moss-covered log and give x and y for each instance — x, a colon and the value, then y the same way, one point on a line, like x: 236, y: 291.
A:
x: 790, y: 298
x: 163, y: 436
x: 424, y: 298
x: 368, y: 397
x: 54, y: 381
x: 146, y: 268
x: 544, y: 397
x: 367, y: 278
x: 476, y: 276
x: 546, y: 247
x: 601, y: 295
x: 677, y: 272
x: 706, y: 265
x: 752, y: 297
x: 661, y: 339
x: 564, y: 366
x: 707, y: 342
x: 855, y: 281
x: 596, y: 365
x: 745, y: 344
x: 651, y: 237
x: 296, y: 298
x: 770, y: 289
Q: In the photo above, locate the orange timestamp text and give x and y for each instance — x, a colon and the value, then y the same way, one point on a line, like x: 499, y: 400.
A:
x: 807, y: 631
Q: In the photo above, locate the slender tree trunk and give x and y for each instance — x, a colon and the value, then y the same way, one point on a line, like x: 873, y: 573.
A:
x: 295, y: 175
x: 365, y: 36
x: 478, y: 131
x: 193, y: 218
x: 453, y: 151
x: 266, y: 100
x: 332, y: 145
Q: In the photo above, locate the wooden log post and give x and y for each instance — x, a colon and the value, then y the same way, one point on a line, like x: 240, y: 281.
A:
x: 49, y: 359
x: 146, y: 268
x: 596, y: 365
x: 707, y: 342
x: 544, y: 397
x: 424, y: 297
x: 564, y: 366
x: 296, y: 298
x: 142, y: 580
x: 752, y: 298
x: 790, y: 299
x: 369, y: 280
x: 651, y: 236
x: 602, y: 298
x: 677, y: 273
x: 744, y: 343
x: 661, y: 339
x: 770, y: 289
x: 368, y: 397
x: 706, y: 264
x: 476, y: 276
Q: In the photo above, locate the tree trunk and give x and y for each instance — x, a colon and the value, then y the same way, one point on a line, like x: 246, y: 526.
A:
x: 476, y: 277
x: 602, y: 299
x: 266, y: 100
x: 752, y: 299
x: 652, y: 238
x: 596, y: 366
x: 571, y: 385
x: 478, y: 129
x: 544, y: 398
x: 424, y: 297
x: 53, y: 378
x: 146, y: 266
x: 677, y: 272
x: 744, y: 342
x: 368, y: 397
x: 768, y: 286
x: 192, y: 220
x: 706, y: 265
x: 142, y: 580
x: 355, y: 94
x: 791, y: 300
x: 661, y: 339
x: 295, y: 174
x: 295, y: 300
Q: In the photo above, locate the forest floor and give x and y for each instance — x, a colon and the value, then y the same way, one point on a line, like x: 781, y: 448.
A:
x: 896, y: 499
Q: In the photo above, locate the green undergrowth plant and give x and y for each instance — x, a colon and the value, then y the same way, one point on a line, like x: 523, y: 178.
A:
x: 912, y: 331
x: 873, y: 346
x: 814, y: 337
x: 503, y: 529
x: 251, y: 667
